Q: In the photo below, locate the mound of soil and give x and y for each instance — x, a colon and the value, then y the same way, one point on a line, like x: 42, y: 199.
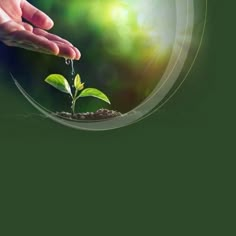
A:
x: 100, y: 114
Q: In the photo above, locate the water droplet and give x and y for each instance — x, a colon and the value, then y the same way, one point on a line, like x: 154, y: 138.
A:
x: 70, y: 62
x: 72, y: 67
x: 67, y: 61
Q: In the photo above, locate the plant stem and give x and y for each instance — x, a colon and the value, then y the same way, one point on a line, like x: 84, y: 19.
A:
x: 73, y: 102
x: 73, y: 107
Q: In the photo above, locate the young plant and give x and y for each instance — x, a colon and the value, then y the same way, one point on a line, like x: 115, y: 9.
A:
x: 59, y: 82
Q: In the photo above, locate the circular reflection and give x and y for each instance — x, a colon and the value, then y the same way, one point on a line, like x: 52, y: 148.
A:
x: 155, y: 38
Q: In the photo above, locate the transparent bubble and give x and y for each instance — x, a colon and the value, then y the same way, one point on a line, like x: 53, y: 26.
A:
x: 173, y: 35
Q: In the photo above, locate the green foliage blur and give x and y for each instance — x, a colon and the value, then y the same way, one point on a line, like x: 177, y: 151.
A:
x: 118, y: 55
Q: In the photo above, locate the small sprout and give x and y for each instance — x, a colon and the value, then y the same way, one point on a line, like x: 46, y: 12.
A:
x: 77, y: 83
x: 59, y: 82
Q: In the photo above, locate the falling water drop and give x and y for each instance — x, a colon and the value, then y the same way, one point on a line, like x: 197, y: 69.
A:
x: 67, y: 61
x: 70, y: 62
x: 72, y: 67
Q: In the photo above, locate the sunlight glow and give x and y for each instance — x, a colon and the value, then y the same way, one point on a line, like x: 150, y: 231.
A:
x: 145, y: 20
x: 119, y: 13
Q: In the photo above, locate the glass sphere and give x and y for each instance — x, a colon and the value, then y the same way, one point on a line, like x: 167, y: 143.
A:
x: 137, y: 52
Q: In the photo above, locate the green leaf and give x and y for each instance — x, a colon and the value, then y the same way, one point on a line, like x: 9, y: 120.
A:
x: 92, y: 92
x: 77, y: 83
x: 59, y: 82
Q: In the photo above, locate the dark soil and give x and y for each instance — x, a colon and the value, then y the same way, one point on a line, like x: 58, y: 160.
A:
x: 100, y: 114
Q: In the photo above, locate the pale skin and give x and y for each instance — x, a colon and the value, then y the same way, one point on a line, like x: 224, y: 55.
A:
x: 32, y: 35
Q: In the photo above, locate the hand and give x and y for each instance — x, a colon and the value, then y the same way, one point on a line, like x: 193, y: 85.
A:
x: 15, y: 32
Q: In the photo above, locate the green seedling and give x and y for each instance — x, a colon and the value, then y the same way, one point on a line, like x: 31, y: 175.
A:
x: 59, y: 82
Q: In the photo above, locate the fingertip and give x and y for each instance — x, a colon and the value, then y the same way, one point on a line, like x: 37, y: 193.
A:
x: 52, y: 48
x: 45, y: 22
x: 78, y: 54
x: 48, y: 24
x: 67, y: 53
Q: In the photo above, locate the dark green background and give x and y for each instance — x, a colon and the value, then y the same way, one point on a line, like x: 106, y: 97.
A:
x: 171, y: 174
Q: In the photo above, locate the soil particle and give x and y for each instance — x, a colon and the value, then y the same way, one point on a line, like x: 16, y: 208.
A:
x: 100, y: 114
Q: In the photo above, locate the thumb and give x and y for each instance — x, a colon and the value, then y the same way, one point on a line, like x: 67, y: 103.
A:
x: 35, y: 16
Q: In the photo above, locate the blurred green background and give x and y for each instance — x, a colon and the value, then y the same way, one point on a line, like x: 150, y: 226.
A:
x: 125, y: 48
